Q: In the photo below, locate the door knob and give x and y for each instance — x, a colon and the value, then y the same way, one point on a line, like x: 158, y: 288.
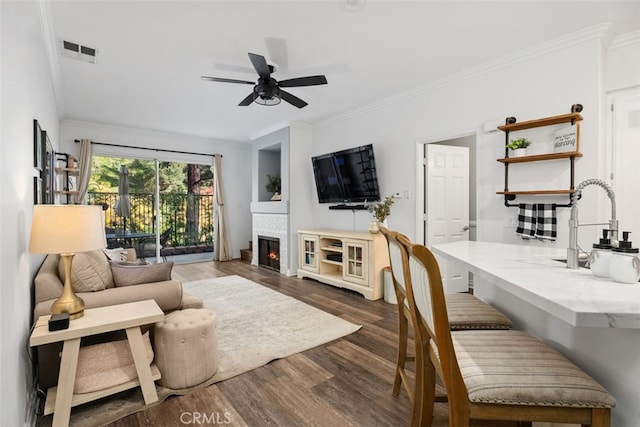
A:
x: 465, y: 228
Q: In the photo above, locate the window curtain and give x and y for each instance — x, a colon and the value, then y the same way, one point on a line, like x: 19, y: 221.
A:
x: 222, y: 251
x: 84, y: 164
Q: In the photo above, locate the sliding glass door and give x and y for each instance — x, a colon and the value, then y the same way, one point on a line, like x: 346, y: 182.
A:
x: 153, y: 205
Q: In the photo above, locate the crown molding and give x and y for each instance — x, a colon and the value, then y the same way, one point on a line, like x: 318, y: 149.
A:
x: 48, y: 37
x: 132, y: 132
x: 598, y: 31
x: 269, y: 130
x: 625, y: 40
x: 300, y: 125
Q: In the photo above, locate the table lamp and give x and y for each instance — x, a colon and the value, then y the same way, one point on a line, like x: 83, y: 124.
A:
x: 66, y: 230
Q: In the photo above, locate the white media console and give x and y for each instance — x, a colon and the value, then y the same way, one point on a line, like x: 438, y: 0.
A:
x: 344, y: 259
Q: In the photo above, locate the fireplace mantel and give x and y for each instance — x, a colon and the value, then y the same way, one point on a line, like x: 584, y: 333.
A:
x: 274, y: 207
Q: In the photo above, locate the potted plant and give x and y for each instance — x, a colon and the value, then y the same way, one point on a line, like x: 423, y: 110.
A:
x: 518, y: 147
x: 381, y: 211
x: 274, y: 185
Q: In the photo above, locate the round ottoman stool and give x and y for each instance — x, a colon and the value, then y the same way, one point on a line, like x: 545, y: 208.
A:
x: 186, y: 347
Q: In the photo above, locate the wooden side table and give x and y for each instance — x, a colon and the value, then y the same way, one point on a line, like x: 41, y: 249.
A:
x: 130, y: 317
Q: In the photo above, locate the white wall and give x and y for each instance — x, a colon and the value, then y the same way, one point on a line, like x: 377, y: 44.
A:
x: 542, y: 82
x: 301, y: 187
x: 236, y: 172
x: 623, y: 62
x: 27, y: 94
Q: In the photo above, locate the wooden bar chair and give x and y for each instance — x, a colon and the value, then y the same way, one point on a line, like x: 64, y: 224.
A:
x: 494, y: 375
x: 466, y: 312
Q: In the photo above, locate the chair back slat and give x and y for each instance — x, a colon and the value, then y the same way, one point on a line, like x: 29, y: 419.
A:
x: 429, y: 297
x: 422, y: 293
x: 399, y: 273
x: 395, y: 257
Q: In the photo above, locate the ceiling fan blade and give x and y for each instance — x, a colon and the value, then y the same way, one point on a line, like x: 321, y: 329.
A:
x: 260, y: 64
x: 219, y: 79
x: 303, y: 81
x: 277, y: 50
x: 293, y: 100
x: 248, y: 100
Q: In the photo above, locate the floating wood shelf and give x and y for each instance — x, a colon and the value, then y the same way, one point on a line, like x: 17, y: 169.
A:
x: 70, y: 171
x: 533, y: 192
x: 512, y: 125
x: 540, y: 157
x: 547, y: 121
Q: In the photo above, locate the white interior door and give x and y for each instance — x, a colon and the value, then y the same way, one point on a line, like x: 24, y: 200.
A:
x: 626, y: 152
x: 447, y: 206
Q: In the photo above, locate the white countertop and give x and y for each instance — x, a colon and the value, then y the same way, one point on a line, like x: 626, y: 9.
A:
x: 530, y: 273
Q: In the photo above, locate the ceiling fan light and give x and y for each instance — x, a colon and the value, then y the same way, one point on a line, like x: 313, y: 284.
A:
x: 267, y: 100
x: 267, y: 94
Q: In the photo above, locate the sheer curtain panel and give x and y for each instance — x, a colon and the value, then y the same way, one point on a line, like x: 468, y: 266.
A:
x: 222, y: 251
x: 84, y: 164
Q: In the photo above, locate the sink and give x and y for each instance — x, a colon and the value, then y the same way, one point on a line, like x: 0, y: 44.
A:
x: 581, y: 262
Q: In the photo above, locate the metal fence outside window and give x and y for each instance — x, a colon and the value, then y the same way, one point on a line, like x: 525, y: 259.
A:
x: 189, y: 216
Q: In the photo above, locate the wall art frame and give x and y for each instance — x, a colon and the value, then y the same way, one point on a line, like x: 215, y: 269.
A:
x: 37, y: 190
x: 48, y: 172
x: 38, y: 147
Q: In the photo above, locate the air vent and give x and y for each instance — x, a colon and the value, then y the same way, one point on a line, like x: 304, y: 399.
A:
x: 77, y: 51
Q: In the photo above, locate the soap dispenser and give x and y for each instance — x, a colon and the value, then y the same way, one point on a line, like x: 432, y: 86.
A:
x: 624, y: 265
x: 600, y: 255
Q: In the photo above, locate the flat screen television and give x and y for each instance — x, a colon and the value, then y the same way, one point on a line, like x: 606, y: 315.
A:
x: 346, y: 176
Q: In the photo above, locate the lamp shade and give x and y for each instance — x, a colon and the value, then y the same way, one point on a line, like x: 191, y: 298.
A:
x: 58, y: 229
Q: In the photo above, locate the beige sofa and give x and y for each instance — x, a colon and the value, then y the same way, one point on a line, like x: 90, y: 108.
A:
x: 168, y: 294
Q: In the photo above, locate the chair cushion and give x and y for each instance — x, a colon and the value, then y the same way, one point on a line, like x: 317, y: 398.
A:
x: 513, y: 367
x: 468, y: 312
x: 90, y: 272
x: 128, y: 275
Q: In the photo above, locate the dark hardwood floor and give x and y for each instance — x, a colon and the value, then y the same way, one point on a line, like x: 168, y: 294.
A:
x: 346, y: 382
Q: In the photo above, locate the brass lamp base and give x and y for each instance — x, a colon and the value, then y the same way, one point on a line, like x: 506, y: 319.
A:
x: 68, y: 302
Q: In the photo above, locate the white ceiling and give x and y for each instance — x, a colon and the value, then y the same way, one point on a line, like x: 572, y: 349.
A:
x: 152, y: 54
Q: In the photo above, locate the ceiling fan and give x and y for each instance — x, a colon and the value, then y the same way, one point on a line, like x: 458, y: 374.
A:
x: 267, y: 91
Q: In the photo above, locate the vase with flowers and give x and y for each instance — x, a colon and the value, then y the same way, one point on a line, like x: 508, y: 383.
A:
x: 381, y: 211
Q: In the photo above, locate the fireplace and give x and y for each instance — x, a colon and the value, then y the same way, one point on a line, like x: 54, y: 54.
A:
x: 269, y: 252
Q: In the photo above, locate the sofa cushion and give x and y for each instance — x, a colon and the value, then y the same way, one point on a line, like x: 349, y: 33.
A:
x: 128, y: 275
x: 90, y: 272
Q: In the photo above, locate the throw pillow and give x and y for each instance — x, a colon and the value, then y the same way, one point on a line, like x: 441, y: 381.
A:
x: 128, y: 275
x: 140, y: 261
x: 117, y: 254
x: 90, y: 272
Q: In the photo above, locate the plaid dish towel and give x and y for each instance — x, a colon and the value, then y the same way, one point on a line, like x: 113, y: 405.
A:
x: 546, y: 221
x: 526, y: 221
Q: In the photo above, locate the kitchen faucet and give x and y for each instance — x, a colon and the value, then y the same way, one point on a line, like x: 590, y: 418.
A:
x: 573, y: 251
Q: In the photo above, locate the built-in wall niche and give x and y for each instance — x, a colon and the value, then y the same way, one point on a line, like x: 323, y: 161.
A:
x: 269, y: 165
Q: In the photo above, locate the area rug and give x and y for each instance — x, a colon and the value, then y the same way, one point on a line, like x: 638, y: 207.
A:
x: 255, y: 326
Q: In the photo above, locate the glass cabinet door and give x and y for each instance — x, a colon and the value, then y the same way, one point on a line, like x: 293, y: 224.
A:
x: 355, y: 262
x: 309, y: 253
